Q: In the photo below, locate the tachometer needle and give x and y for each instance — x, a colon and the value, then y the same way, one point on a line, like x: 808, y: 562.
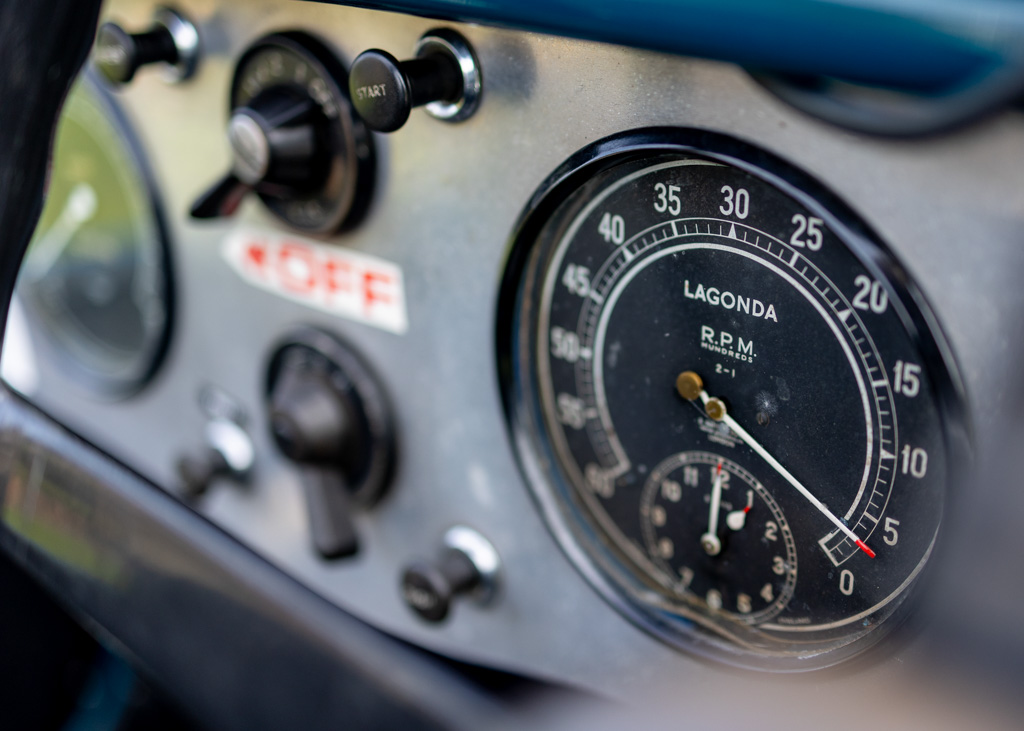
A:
x: 709, y: 541
x: 715, y: 408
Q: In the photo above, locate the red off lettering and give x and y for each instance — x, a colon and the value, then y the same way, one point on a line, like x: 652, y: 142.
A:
x: 337, y: 277
x: 256, y: 257
x: 287, y: 258
x: 371, y: 292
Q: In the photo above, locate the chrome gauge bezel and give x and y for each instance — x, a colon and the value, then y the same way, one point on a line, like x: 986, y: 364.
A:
x: 58, y: 340
x: 559, y: 504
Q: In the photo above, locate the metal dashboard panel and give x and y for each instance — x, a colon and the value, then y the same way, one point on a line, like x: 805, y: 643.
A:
x: 936, y: 45
x: 447, y: 199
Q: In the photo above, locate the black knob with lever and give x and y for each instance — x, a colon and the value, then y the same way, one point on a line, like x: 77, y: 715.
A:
x: 274, y: 145
x: 444, y: 76
x: 172, y: 40
x: 295, y: 139
x: 328, y: 415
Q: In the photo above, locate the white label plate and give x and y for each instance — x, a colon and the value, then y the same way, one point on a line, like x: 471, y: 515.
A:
x: 346, y: 283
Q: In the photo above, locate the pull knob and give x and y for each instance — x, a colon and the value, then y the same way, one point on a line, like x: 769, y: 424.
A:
x: 468, y: 565
x: 327, y: 416
x: 429, y: 588
x: 227, y: 452
x: 196, y: 472
x: 172, y: 40
x: 444, y: 75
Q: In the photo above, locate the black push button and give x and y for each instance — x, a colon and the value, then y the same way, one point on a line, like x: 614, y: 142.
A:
x: 444, y: 75
x: 384, y: 90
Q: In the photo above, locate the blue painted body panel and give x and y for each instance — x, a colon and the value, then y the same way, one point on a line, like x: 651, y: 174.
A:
x: 924, y: 45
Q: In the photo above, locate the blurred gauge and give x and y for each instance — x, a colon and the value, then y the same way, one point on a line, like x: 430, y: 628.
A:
x: 96, y: 279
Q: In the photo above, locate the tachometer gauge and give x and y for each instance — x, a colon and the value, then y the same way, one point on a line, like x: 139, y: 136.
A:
x: 732, y: 405
x: 96, y: 276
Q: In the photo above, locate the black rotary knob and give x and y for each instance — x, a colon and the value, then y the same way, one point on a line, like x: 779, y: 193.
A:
x: 444, y: 75
x: 328, y: 416
x: 275, y: 140
x: 294, y: 139
x: 172, y: 40
x: 311, y: 421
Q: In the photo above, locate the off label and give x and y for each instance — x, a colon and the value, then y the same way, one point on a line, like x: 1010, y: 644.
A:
x: 352, y: 285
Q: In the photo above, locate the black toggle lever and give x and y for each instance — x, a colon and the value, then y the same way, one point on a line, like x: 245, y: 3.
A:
x: 328, y: 416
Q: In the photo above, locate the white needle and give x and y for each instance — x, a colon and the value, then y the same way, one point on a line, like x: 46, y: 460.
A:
x: 80, y: 206
x: 774, y: 464
x: 710, y: 540
x: 737, y: 518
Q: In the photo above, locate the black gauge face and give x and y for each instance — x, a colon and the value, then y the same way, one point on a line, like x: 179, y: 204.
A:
x: 746, y: 566
x: 96, y: 275
x: 728, y: 400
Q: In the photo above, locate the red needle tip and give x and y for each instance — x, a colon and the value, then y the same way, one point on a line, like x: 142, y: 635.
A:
x: 864, y: 547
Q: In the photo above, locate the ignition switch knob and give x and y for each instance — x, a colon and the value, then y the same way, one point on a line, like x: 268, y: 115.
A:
x: 172, y: 40
x: 444, y: 75
x: 294, y: 138
x: 274, y: 143
x: 328, y: 416
x: 467, y: 566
